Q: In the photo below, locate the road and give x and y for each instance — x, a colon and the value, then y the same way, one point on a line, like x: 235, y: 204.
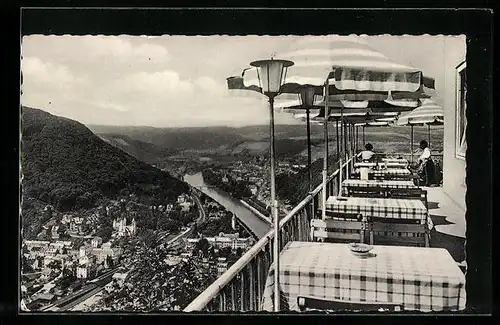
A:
x: 203, y: 214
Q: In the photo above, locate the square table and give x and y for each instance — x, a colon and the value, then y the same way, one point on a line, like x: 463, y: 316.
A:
x: 386, y: 184
x: 398, y: 160
x: 379, y: 207
x: 422, y: 279
x: 384, y: 164
x: 386, y: 172
x: 365, y: 164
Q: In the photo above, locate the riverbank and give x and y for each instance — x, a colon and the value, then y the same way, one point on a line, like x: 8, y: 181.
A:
x: 249, y: 218
x: 260, y: 215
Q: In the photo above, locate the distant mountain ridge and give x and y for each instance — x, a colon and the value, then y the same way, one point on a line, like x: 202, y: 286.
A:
x: 66, y: 165
x: 252, y: 140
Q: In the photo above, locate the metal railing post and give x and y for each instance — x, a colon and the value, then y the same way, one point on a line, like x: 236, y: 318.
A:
x: 252, y: 286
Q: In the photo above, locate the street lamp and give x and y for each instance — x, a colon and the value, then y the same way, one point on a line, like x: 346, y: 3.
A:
x: 307, y: 95
x: 271, y: 74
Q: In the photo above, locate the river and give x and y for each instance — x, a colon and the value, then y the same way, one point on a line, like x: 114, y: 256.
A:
x: 245, y: 215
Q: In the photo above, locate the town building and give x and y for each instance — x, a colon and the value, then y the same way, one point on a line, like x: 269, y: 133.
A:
x: 76, y: 225
x: 86, y: 271
x: 253, y: 189
x: 46, y: 274
x: 122, y: 229
x: 224, y: 240
x: 85, y: 250
x: 66, y: 219
x: 96, y: 242
x: 30, y: 244
x: 120, y: 278
x: 222, y: 266
x: 55, y: 232
x: 101, y: 254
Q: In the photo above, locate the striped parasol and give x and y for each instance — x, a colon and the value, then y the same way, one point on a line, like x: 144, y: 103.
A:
x: 339, y: 69
x: 429, y: 113
x: 355, y: 71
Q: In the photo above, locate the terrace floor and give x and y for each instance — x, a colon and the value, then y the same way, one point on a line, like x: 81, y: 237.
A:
x: 449, y: 223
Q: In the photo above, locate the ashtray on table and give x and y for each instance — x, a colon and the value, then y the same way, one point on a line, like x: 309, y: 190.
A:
x: 361, y: 250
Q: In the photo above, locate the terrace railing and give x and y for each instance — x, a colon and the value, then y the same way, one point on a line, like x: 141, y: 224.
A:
x: 241, y: 287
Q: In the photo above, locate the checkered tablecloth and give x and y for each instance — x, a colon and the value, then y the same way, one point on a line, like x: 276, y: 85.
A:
x: 422, y: 279
x: 379, y: 207
x: 389, y: 171
x: 396, y: 160
x: 364, y: 164
x: 386, y: 164
x: 378, y: 183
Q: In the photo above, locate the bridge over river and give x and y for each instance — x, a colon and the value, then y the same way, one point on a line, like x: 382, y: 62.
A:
x: 246, y: 216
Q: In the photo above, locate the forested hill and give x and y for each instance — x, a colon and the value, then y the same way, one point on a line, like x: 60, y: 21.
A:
x: 64, y: 164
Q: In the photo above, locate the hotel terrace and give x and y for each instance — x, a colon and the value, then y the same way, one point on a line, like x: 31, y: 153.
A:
x: 409, y: 251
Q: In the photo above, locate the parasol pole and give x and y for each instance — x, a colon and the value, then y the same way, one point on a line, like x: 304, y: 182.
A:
x: 364, y: 141
x: 411, y: 142
x: 337, y: 137
x: 325, y: 159
x: 309, y: 149
x: 349, y: 152
x: 357, y: 142
x: 351, y: 141
x: 342, y: 148
x: 429, y: 134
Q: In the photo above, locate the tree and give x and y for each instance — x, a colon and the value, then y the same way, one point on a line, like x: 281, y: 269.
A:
x: 105, y: 230
x: 202, y: 245
x: 55, y: 264
x: 109, y: 261
x: 26, y: 267
x: 149, y: 238
x: 168, y: 224
x: 68, y: 277
x: 225, y: 252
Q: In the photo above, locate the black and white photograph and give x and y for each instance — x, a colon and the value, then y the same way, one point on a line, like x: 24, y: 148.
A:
x: 243, y: 173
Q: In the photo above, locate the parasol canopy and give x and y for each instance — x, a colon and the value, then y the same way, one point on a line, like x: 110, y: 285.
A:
x: 374, y: 123
x: 355, y: 71
x: 428, y: 113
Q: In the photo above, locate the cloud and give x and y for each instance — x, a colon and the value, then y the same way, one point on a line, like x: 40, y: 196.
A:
x: 171, y: 80
x: 122, y: 49
x: 35, y: 71
x: 209, y: 85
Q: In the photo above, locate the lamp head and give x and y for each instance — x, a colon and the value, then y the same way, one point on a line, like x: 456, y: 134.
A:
x: 307, y: 95
x: 271, y: 75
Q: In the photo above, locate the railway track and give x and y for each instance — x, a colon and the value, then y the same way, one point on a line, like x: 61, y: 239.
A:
x: 77, y: 297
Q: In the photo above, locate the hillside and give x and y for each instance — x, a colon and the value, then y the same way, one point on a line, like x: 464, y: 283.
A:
x: 162, y: 146
x: 65, y: 165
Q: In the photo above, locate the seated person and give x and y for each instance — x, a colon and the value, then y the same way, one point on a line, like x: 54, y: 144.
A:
x: 425, y: 165
x: 366, y: 155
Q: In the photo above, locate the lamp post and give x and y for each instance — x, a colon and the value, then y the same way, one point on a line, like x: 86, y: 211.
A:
x: 307, y: 95
x: 271, y: 74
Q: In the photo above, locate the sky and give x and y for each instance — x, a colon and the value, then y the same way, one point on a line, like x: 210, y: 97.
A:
x: 176, y: 81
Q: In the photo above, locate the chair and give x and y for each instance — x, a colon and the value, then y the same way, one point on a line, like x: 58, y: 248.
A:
x: 306, y: 303
x: 366, y: 191
x: 410, y: 193
x: 398, y: 232
x: 395, y: 177
x: 343, y: 230
x: 463, y: 266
